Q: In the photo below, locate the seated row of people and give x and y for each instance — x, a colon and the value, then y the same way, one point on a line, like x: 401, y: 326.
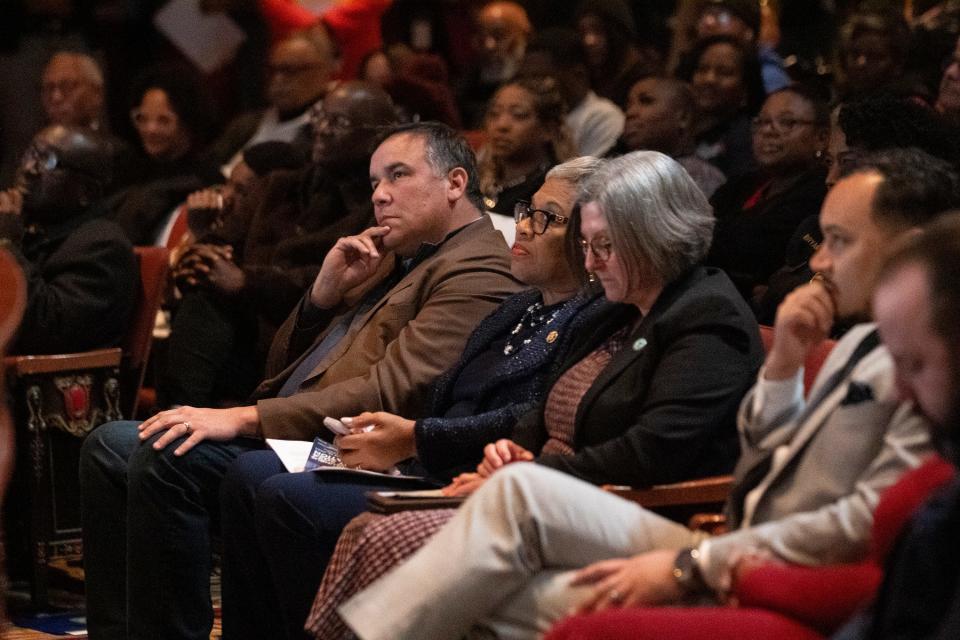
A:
x: 765, y: 254
x: 673, y: 352
x: 389, y: 311
x: 806, y: 484
x: 618, y: 407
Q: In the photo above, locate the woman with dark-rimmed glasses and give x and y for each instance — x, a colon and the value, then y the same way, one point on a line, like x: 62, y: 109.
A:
x: 650, y: 394
x: 505, y: 369
x: 757, y: 213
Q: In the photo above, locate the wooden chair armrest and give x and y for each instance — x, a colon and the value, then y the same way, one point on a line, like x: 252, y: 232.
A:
x: 712, y: 523
x: 29, y: 365
x: 710, y: 490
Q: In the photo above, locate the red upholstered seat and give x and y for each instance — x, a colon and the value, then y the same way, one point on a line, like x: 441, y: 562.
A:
x: 58, y: 400
x: 667, y: 623
x: 13, y: 299
x: 777, y: 601
x: 811, y: 367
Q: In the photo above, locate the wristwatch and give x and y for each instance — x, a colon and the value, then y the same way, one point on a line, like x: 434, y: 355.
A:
x: 686, y: 571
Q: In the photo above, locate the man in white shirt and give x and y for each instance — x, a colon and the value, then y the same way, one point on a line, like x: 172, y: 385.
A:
x: 595, y: 123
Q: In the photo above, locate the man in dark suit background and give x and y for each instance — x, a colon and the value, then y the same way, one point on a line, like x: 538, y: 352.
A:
x: 241, y: 281
x: 81, y: 272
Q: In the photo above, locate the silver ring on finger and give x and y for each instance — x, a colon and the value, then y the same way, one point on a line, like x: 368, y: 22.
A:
x: 615, y: 597
x: 187, y: 428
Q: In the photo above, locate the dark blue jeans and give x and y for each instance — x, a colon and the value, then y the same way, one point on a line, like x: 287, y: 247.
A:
x: 279, y: 531
x: 147, y: 518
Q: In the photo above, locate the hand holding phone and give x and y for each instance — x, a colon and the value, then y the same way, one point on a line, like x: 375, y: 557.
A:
x: 336, y: 426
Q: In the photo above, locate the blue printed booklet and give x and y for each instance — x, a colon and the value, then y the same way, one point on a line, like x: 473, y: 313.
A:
x: 321, y: 456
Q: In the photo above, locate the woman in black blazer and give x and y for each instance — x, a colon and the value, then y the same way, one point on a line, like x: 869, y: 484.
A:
x: 506, y: 368
x: 649, y: 395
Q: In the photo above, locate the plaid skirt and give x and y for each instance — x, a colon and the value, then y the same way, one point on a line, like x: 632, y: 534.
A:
x: 370, y: 545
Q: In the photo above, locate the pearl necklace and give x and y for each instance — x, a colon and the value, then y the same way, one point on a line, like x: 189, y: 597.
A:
x: 529, y: 320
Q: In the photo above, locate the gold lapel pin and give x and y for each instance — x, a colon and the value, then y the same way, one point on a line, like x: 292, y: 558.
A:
x: 552, y: 337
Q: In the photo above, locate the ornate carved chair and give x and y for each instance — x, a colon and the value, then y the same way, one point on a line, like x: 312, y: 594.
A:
x: 58, y: 400
x: 13, y: 296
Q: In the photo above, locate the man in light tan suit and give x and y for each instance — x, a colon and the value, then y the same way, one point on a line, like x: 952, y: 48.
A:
x: 533, y: 545
x: 390, y: 310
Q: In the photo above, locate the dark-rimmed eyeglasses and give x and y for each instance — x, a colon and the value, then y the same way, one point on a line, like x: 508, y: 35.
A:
x: 539, y: 219
x: 601, y: 249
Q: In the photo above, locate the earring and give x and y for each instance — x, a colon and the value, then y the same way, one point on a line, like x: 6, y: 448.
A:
x: 819, y: 154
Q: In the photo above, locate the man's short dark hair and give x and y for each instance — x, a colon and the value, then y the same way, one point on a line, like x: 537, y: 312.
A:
x: 916, y: 186
x: 446, y: 151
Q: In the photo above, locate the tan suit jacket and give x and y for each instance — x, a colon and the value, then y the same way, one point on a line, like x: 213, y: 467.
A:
x: 816, y: 504
x: 393, y: 351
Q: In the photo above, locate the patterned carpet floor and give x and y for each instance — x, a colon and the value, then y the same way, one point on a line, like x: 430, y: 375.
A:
x: 65, y: 616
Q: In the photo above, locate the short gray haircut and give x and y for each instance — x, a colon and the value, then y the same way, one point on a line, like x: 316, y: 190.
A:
x: 575, y: 172
x: 656, y: 214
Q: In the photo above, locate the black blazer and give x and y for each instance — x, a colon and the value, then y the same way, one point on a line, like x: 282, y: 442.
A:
x: 664, y: 409
x: 750, y: 244
x: 82, y: 283
x: 511, y: 389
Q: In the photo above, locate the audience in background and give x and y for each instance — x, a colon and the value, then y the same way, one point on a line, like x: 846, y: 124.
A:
x: 614, y: 56
x: 726, y: 83
x: 741, y: 19
x: 660, y: 117
x: 594, y: 122
x: 503, y: 30
x: 418, y: 83
x: 872, y: 51
x: 243, y: 279
x: 300, y: 69
x: 525, y: 136
x: 82, y: 277
x: 172, y: 121
x: 758, y: 213
x: 882, y: 122
x: 856, y: 129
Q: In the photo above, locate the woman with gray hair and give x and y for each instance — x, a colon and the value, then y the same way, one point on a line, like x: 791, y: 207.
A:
x: 649, y: 397
x: 504, y: 371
